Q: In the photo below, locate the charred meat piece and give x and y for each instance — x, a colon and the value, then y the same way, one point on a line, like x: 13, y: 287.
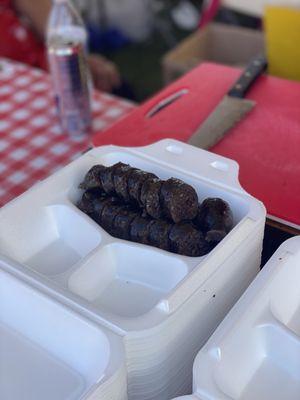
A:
x: 139, y: 230
x: 88, y: 201
x: 214, y: 237
x: 123, y: 221
x: 145, y: 190
x: 109, y: 213
x: 120, y: 178
x: 135, y: 182
x: 107, y: 180
x: 92, y: 178
x: 187, y: 241
x: 179, y: 200
x: 159, y: 234
x: 99, y: 206
x: 150, y: 198
x: 214, y: 214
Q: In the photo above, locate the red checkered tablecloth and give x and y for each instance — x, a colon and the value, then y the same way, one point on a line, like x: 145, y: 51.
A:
x: 32, y: 144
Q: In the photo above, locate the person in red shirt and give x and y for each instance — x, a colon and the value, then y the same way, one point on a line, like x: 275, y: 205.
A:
x: 22, y: 31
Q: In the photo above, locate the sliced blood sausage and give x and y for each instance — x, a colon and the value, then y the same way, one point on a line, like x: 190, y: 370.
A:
x: 152, y: 200
x: 122, y: 223
x: 179, y: 200
x: 120, y: 177
x: 187, y: 241
x: 139, y: 230
x: 92, y: 178
x: 214, y: 237
x: 135, y: 183
x: 109, y: 213
x: 159, y: 234
x: 107, y: 180
x: 88, y: 200
x: 145, y: 190
x: 214, y: 214
x: 99, y: 206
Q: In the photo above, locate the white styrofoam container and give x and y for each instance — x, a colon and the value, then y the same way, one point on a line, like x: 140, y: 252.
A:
x: 49, y: 352
x: 164, y: 305
x: 255, y: 352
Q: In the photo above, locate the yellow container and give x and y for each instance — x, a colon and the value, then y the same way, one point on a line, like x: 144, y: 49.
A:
x: 282, y: 26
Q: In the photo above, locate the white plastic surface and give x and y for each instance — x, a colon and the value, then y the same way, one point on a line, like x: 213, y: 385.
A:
x: 131, y: 282
x: 165, y: 305
x: 48, y: 352
x: 255, y: 352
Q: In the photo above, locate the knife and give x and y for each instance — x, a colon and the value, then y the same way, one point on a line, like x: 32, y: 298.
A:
x: 232, y: 108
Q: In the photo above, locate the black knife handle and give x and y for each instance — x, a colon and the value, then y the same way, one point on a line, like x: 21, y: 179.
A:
x: 253, y: 70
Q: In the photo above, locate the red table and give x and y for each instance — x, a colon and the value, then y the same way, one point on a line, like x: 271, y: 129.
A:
x: 32, y: 144
x: 266, y: 144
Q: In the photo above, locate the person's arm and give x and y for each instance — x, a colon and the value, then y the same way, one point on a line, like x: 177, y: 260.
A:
x: 36, y: 11
x: 105, y: 73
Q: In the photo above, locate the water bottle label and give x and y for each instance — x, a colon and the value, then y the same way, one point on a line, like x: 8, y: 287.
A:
x: 71, y: 85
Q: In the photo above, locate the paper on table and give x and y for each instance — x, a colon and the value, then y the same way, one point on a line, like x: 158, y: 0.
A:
x: 282, y: 25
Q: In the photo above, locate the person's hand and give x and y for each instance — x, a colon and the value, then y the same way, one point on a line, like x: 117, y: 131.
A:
x: 105, y: 74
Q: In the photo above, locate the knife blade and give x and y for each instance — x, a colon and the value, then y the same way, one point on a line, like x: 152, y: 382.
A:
x: 232, y: 108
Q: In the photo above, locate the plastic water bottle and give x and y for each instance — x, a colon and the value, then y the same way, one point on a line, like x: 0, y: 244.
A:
x: 67, y: 55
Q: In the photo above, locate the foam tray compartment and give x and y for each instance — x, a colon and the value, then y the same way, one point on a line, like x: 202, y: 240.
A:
x: 142, y: 293
x: 132, y: 279
x: 49, y: 352
x: 49, y: 238
x: 255, y: 352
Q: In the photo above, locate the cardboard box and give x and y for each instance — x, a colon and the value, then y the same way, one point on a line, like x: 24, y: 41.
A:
x: 218, y: 43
